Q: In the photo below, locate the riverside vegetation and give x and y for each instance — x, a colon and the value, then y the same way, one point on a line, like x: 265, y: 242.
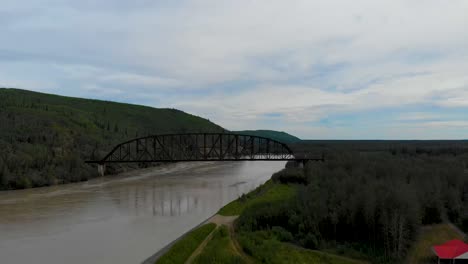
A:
x: 379, y: 206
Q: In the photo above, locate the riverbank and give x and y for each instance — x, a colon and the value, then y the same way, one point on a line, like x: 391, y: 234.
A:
x: 225, y: 216
x: 225, y: 245
x: 164, y: 250
x: 186, y: 248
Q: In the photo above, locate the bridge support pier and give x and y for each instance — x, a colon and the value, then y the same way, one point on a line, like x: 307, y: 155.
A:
x: 101, y: 169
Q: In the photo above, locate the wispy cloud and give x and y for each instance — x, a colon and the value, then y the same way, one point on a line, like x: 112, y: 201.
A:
x: 253, y: 64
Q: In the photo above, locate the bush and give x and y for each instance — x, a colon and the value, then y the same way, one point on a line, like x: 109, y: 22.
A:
x: 290, y: 175
x: 260, y: 245
x: 310, y: 241
x: 23, y: 183
x: 264, y: 215
x: 267, y: 249
x: 282, y: 234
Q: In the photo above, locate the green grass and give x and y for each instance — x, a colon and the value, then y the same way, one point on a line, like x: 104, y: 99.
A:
x: 291, y: 254
x: 184, y: 248
x: 350, y: 250
x: 268, y: 192
x: 421, y: 252
x: 219, y: 249
x: 267, y: 249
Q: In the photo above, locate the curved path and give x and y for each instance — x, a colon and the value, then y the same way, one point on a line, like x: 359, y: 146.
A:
x: 220, y: 220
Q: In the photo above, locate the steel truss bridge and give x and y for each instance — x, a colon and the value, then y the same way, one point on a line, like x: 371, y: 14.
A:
x: 201, y: 147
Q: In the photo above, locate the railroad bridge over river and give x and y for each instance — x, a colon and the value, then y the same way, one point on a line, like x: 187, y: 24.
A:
x: 201, y: 147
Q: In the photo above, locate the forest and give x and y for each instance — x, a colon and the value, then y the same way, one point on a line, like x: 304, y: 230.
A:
x: 368, y: 200
x: 45, y: 139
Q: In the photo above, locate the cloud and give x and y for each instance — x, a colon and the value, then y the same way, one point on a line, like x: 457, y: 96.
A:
x: 419, y: 116
x: 140, y: 80
x: 236, y: 62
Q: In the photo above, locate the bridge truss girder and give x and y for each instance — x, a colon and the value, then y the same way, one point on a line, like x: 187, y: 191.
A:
x: 198, y: 147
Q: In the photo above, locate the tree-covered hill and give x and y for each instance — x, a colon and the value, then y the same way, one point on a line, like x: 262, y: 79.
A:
x: 276, y: 135
x: 44, y: 138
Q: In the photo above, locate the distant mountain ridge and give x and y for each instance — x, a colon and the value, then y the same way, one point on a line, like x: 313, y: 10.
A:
x: 276, y: 135
x: 45, y: 138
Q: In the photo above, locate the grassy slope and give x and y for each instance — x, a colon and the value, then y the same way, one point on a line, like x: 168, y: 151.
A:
x: 309, y: 256
x: 290, y: 254
x: 267, y: 192
x: 47, y: 137
x: 220, y: 249
x: 430, y: 235
x: 183, y: 248
x: 275, y: 252
x: 276, y: 135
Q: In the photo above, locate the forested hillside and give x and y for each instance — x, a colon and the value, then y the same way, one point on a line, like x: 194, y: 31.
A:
x: 366, y: 200
x: 44, y: 139
x: 276, y: 135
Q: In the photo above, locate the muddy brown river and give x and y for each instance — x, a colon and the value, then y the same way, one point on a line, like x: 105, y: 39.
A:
x: 120, y: 219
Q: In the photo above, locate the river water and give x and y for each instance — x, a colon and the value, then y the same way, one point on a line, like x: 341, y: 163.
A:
x: 120, y: 219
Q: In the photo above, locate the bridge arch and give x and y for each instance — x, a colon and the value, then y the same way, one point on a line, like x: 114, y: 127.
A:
x: 198, y: 147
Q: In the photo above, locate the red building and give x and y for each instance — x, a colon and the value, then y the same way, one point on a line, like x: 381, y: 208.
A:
x: 453, y: 252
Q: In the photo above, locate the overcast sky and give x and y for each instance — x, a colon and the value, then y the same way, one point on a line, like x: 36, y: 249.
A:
x: 361, y: 69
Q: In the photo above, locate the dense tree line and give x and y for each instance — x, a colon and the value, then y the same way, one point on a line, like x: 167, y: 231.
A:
x: 371, y: 203
x: 45, y: 139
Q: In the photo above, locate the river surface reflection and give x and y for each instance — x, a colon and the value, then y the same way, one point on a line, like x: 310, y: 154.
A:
x: 120, y: 219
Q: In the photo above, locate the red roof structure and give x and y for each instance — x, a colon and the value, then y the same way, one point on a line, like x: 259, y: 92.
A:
x: 451, y: 249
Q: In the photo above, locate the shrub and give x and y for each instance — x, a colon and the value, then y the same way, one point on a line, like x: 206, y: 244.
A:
x: 282, y: 234
x: 290, y: 175
x: 264, y: 215
x: 23, y: 183
x: 310, y: 241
